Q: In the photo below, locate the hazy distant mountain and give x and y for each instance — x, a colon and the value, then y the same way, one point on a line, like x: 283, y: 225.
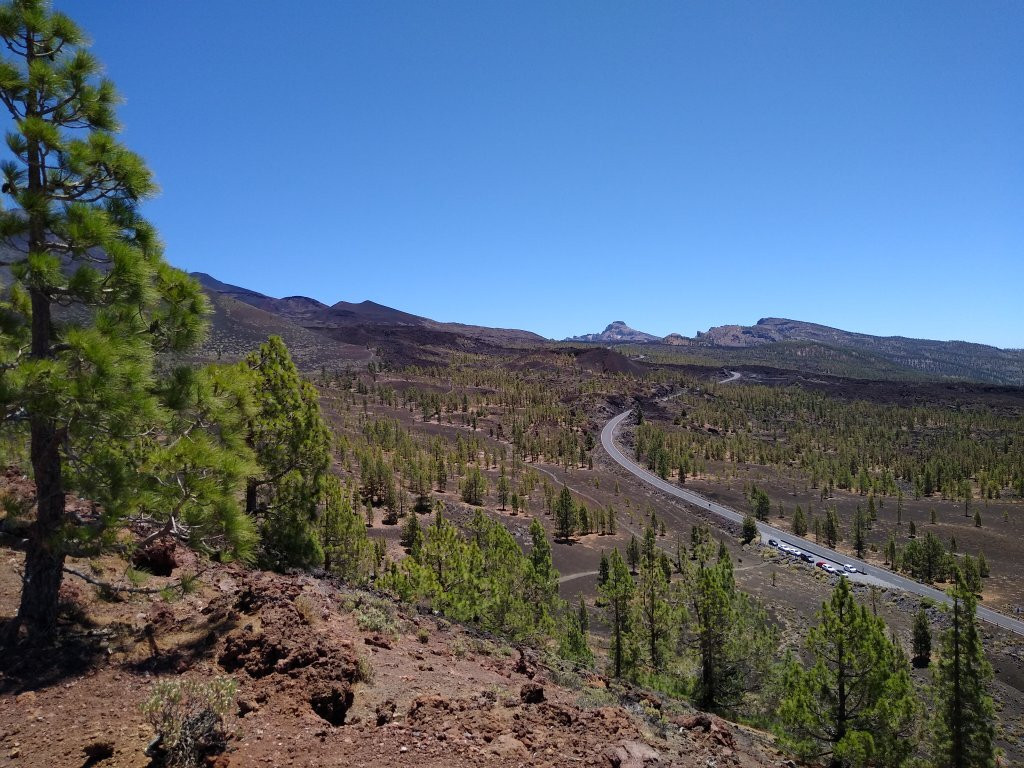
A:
x: 616, y: 333
x: 942, y: 359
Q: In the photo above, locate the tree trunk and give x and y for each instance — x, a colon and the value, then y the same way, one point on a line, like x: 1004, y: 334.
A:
x: 44, y: 554
x: 250, y: 497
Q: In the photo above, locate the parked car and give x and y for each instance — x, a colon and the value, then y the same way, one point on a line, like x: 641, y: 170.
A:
x: 828, y: 568
x: 772, y: 543
x: 807, y: 556
x: 820, y: 563
x: 850, y: 568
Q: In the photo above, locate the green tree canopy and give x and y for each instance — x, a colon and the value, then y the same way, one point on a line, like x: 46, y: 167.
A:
x: 855, y: 705
x: 291, y: 444
x: 565, y: 515
x: 729, y: 631
x: 87, y: 302
x: 964, y: 722
x: 617, y: 592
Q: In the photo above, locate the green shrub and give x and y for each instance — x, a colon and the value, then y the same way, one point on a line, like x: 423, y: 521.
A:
x: 307, y: 608
x: 188, y: 717
x: 364, y: 671
x: 372, y: 618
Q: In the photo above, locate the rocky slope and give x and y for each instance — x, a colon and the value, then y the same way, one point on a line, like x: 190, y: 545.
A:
x: 616, y: 332
x: 329, y: 676
x: 401, y: 335
x: 955, y: 359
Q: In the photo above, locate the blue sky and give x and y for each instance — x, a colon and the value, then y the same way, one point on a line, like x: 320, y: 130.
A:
x: 558, y: 165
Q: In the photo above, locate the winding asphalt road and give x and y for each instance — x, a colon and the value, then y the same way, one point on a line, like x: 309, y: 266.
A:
x: 869, y: 574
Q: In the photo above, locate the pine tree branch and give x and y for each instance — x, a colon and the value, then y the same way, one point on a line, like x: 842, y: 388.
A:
x: 114, y: 587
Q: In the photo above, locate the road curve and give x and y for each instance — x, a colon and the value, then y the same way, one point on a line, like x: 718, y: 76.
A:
x: 869, y: 573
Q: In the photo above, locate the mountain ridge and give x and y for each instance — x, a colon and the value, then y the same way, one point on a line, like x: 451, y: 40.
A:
x: 414, y: 339
x: 616, y: 332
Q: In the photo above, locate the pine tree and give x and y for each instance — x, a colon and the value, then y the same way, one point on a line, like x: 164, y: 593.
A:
x: 573, y: 644
x: 582, y: 615
x: 633, y: 554
x: 544, y: 577
x: 729, y: 631
x: 859, y: 533
x: 291, y: 444
x: 760, y: 503
x: 504, y: 488
x: 583, y: 524
x: 412, y: 535
x: 922, y: 644
x: 474, y: 486
x: 565, y: 515
x: 649, y: 547
x: 602, y: 570
x: 971, y: 574
x: 541, y: 582
x: 617, y: 592
x: 964, y: 721
x: 343, y: 536
x: 749, y: 529
x: 653, y: 619
x: 856, y: 704
x: 799, y: 522
x: 84, y: 380
x: 831, y: 529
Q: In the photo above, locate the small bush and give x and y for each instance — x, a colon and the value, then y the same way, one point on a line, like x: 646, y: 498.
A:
x: 372, y: 618
x: 364, y: 671
x: 423, y: 636
x: 188, y: 717
x: 458, y: 648
x: 188, y: 583
x: 306, y: 607
x: 481, y: 647
x: 348, y: 605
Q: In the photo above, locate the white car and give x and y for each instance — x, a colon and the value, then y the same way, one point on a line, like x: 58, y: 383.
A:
x: 827, y: 568
x: 850, y: 568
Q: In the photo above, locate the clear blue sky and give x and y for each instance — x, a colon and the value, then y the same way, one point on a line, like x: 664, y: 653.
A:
x: 558, y: 165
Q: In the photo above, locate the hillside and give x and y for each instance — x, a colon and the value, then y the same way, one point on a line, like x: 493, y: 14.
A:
x: 938, y: 359
x: 814, y: 348
x: 238, y: 327
x: 400, y: 337
x: 328, y: 676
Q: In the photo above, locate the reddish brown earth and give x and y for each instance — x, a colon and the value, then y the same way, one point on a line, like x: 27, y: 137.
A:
x: 434, y: 695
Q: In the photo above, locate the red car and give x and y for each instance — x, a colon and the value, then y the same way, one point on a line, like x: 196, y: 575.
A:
x: 820, y: 563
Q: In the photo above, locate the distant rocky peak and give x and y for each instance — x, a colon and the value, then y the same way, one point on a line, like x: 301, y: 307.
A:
x: 616, y: 332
